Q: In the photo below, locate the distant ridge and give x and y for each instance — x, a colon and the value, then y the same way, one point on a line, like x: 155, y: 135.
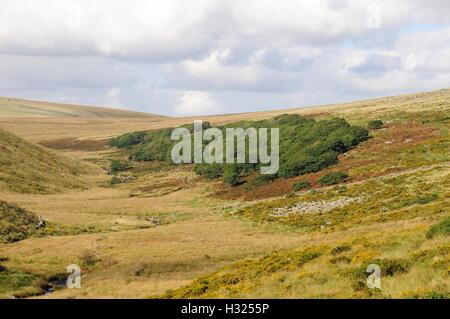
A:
x: 13, y: 107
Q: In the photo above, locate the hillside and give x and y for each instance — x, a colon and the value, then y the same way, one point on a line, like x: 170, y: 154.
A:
x: 12, y: 107
x: 15, y: 222
x: 29, y: 168
x: 154, y: 229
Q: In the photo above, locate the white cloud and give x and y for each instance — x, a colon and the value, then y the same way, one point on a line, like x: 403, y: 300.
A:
x: 113, y: 95
x: 196, y: 103
x: 220, y: 56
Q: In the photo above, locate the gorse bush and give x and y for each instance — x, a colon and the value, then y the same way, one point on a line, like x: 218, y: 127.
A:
x: 375, y: 124
x: 306, y: 146
x: 118, y: 166
x: 333, y: 178
x: 302, y: 185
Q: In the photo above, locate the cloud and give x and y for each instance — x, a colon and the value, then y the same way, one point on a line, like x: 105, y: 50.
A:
x: 193, y: 103
x: 195, y: 56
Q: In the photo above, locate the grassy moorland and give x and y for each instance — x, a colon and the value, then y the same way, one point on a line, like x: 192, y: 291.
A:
x: 152, y: 229
x: 29, y: 168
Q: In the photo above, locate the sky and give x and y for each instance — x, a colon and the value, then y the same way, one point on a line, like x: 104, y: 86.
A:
x: 193, y: 57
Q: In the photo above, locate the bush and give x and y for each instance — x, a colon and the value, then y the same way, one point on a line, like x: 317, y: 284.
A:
x: 375, y: 124
x: 389, y: 267
x: 129, y: 139
x: 302, y: 185
x: 210, y: 171
x: 231, y: 175
x: 15, y: 237
x: 118, y: 166
x: 306, y: 145
x: 443, y: 229
x: 115, y: 180
x: 333, y: 178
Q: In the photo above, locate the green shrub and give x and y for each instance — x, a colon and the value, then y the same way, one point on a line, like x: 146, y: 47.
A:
x: 118, y: 166
x: 231, y: 175
x: 115, y: 180
x: 210, y: 171
x: 306, y: 146
x: 129, y: 139
x: 15, y: 237
x: 302, y: 185
x: 333, y: 178
x: 375, y: 124
x: 442, y: 228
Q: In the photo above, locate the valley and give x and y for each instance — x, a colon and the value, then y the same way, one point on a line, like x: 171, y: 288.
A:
x: 152, y: 229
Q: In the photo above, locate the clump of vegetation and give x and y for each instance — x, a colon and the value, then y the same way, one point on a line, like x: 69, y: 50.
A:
x: 375, y: 124
x: 340, y: 249
x: 389, y: 267
x: 306, y: 146
x: 210, y: 171
x: 332, y: 178
x: 302, y: 185
x: 114, y: 181
x: 118, y: 166
x: 231, y: 175
x: 341, y: 260
x: 16, y: 223
x: 89, y: 257
x: 129, y: 139
x: 440, y: 229
x: 16, y: 283
x: 419, y: 200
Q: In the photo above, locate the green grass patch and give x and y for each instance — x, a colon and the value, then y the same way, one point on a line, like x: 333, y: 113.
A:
x: 440, y: 229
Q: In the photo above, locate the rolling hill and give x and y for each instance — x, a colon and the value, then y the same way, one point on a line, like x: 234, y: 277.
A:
x: 29, y: 168
x: 12, y: 107
x: 44, y: 121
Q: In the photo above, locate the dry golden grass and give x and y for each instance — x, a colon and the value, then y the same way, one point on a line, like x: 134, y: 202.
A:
x: 196, y: 240
x: 194, y: 234
x: 29, y: 168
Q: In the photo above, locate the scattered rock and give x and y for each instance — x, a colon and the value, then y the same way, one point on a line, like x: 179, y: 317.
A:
x: 303, y: 208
